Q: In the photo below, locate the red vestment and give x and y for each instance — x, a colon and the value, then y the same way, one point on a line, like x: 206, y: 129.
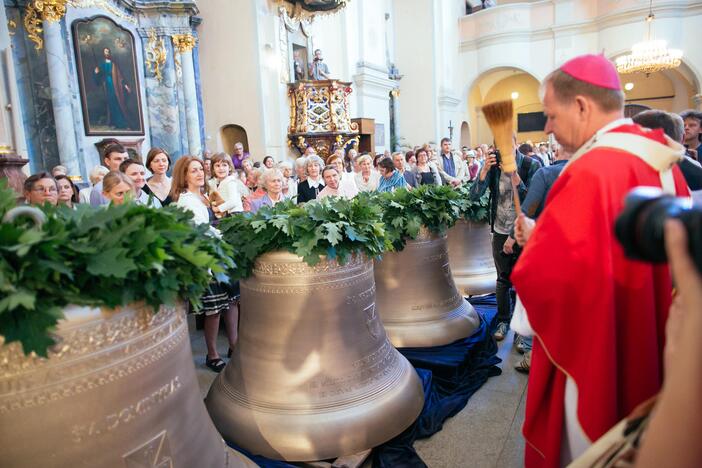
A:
x: 598, y: 317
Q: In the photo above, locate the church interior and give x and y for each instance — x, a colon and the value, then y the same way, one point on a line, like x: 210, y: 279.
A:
x: 319, y: 233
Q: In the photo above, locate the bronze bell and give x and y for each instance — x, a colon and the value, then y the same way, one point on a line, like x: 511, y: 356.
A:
x: 313, y: 375
x: 119, y: 390
x: 470, y: 255
x: 417, y: 299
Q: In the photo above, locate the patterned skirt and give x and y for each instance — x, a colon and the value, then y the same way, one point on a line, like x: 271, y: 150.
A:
x: 218, y: 298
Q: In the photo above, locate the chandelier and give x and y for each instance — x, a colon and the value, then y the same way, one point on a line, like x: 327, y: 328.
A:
x: 650, y: 55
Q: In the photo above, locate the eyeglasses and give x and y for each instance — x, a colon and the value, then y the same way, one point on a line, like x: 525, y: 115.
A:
x: 45, y: 189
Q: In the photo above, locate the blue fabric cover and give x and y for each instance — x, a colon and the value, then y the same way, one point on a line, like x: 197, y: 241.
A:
x: 450, y: 375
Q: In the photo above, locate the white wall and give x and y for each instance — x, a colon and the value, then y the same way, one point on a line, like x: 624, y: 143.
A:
x: 440, y: 51
x: 538, y: 36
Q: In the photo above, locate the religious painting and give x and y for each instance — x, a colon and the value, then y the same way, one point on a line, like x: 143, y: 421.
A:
x: 108, y: 77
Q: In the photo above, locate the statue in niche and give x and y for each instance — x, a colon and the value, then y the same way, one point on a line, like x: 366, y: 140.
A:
x: 108, y: 77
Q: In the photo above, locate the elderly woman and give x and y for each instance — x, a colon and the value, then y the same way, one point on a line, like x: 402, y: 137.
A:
x: 257, y: 190
x: 333, y: 186
x: 135, y: 170
x: 347, y: 181
x: 313, y: 184
x: 272, y: 181
x: 188, y: 191
x: 289, y: 182
x: 299, y: 166
x: 426, y: 172
x: 159, y: 184
x: 367, y: 179
x: 117, y: 188
x: 41, y: 188
x: 226, y: 184
x: 95, y: 176
x: 68, y: 193
x: 410, y: 159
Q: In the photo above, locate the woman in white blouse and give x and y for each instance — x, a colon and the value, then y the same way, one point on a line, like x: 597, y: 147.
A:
x: 226, y: 183
x: 367, y: 179
x: 188, y: 192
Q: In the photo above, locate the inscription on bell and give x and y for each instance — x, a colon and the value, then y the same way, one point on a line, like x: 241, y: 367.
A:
x: 155, y: 453
x: 113, y: 420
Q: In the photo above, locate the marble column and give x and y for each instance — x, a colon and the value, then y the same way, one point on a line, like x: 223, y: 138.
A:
x: 697, y: 99
x: 61, y: 97
x: 11, y: 163
x: 184, y: 45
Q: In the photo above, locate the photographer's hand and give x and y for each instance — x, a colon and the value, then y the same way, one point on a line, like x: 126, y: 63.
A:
x: 490, y: 161
x: 672, y: 437
x: 523, y: 228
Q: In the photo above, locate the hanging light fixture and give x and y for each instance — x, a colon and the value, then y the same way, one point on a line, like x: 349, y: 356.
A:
x: 650, y: 55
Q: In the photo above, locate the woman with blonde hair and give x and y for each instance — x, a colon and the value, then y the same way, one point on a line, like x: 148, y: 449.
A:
x: 225, y: 183
x: 367, y: 179
x: 117, y: 188
x: 188, y: 191
x: 256, y: 187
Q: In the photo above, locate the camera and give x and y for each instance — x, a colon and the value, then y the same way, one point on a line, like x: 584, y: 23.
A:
x: 498, y: 157
x: 640, y: 226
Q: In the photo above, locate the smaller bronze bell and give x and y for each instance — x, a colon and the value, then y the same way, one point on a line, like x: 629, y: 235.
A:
x: 470, y: 256
x: 417, y: 299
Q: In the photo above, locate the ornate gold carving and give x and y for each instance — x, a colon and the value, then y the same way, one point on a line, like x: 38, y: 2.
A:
x: 11, y: 26
x: 38, y: 11
x: 184, y: 42
x: 298, y: 11
x: 155, y: 54
x: 105, y: 5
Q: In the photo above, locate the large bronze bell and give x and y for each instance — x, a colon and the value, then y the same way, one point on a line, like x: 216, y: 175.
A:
x: 417, y: 299
x: 470, y: 255
x: 119, y: 390
x: 313, y: 375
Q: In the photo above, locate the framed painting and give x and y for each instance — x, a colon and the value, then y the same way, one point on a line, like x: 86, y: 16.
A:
x: 108, y: 76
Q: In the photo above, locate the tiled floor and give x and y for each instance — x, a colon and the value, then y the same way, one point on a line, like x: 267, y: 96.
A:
x: 486, y: 434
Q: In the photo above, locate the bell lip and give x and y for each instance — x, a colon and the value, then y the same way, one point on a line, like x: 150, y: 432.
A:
x: 458, y: 324
x: 404, y: 400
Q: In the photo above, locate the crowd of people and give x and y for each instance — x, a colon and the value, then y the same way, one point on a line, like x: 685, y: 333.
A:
x: 590, y: 322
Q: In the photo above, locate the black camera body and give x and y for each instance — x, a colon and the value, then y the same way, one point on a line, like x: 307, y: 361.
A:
x: 640, y: 226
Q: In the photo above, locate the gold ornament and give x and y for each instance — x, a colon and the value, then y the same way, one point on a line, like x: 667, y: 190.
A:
x: 38, y: 11
x: 155, y: 54
x: 184, y: 42
x: 105, y: 5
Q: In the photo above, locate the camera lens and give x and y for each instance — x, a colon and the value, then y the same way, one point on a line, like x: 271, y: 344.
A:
x: 640, y: 226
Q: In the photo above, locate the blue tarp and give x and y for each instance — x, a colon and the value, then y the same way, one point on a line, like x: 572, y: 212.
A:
x: 450, y: 374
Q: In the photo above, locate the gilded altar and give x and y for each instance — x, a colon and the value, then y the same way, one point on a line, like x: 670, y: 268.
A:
x: 320, y: 117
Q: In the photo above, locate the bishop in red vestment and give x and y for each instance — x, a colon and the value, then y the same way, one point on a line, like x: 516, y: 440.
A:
x: 599, y: 321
